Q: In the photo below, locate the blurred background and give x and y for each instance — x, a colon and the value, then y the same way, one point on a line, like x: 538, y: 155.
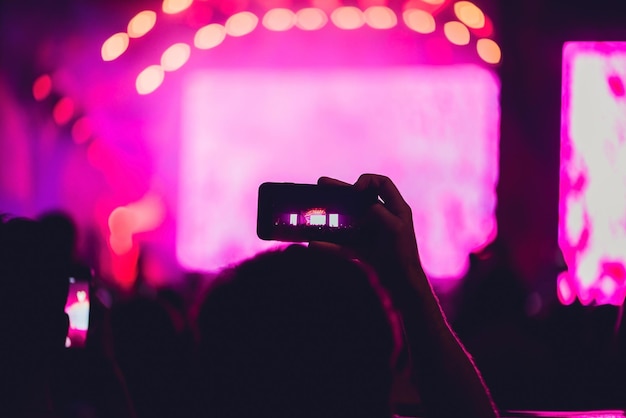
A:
x: 152, y: 123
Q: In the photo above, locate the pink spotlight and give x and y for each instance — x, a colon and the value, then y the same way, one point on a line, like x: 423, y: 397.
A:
x: 433, y: 132
x: 592, y: 204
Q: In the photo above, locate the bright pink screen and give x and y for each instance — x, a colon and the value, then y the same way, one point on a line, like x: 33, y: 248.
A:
x: 592, y: 224
x: 433, y: 130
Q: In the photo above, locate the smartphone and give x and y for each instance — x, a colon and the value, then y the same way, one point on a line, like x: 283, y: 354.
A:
x: 77, y: 307
x: 294, y: 212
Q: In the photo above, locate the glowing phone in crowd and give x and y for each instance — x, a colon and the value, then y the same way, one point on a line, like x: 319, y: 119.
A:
x: 77, y: 308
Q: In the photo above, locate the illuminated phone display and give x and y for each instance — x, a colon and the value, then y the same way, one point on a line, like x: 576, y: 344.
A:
x: 77, y: 308
x: 308, y: 212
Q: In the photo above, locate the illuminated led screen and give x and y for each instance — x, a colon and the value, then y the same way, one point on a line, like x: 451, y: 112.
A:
x: 433, y: 130
x: 592, y: 205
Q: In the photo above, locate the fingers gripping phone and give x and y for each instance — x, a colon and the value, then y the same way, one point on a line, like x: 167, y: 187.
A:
x: 295, y: 212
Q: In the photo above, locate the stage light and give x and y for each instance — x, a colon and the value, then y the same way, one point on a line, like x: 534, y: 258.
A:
x: 409, y: 122
x: 347, y: 17
x: 419, y: 20
x: 42, y: 87
x: 279, y: 19
x: 175, y: 57
x: 241, y: 24
x: 489, y: 51
x: 457, y: 33
x: 96, y: 154
x: 63, y: 111
x: 175, y: 6
x: 141, y: 24
x: 209, y: 36
x: 144, y: 215
x: 115, y: 46
x: 434, y: 2
x: 564, y: 290
x: 311, y: 18
x: 149, y: 79
x: 82, y: 130
x: 120, y: 224
x: 468, y: 13
x: 592, y: 205
x: 380, y: 17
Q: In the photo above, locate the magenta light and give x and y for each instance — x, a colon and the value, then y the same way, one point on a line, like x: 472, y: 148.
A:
x: 592, y: 205
x: 433, y: 130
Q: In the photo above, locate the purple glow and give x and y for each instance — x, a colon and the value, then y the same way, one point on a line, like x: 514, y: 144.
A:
x: 427, y: 128
x: 592, y: 206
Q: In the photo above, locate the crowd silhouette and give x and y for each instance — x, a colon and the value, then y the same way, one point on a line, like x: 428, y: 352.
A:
x: 316, y: 330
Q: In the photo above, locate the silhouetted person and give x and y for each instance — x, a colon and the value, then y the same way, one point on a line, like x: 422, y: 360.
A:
x: 310, y: 332
x: 298, y: 332
x: 33, y: 292
x: 153, y: 353
x: 39, y: 377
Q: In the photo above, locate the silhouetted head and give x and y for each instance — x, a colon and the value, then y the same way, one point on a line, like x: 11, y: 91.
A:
x: 297, y: 332
x: 33, y: 288
x: 60, y: 231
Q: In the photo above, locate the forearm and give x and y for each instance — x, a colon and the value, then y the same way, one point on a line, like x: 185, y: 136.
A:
x: 447, y: 379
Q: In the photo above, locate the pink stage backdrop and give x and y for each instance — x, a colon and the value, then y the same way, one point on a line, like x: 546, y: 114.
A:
x: 433, y: 130
x: 592, y: 207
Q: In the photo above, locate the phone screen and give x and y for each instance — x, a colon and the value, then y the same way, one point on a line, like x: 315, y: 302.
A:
x: 77, y: 308
x: 307, y: 212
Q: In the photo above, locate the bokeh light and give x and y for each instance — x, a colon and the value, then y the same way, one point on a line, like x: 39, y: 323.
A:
x: 63, y: 111
x: 176, y: 6
x: 279, y: 19
x: 311, y: 18
x: 149, y: 79
x: 175, y: 56
x: 241, y: 24
x: 114, y: 46
x: 468, y: 13
x: 209, y: 36
x: 121, y: 221
x: 419, y: 20
x: 564, y: 290
x: 347, y: 17
x: 457, y: 33
x: 144, y: 215
x: 489, y: 51
x: 42, y: 87
x: 82, y: 130
x: 380, y: 17
x: 141, y: 24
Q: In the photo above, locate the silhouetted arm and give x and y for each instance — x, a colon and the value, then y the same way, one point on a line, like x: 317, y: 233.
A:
x: 448, y: 382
